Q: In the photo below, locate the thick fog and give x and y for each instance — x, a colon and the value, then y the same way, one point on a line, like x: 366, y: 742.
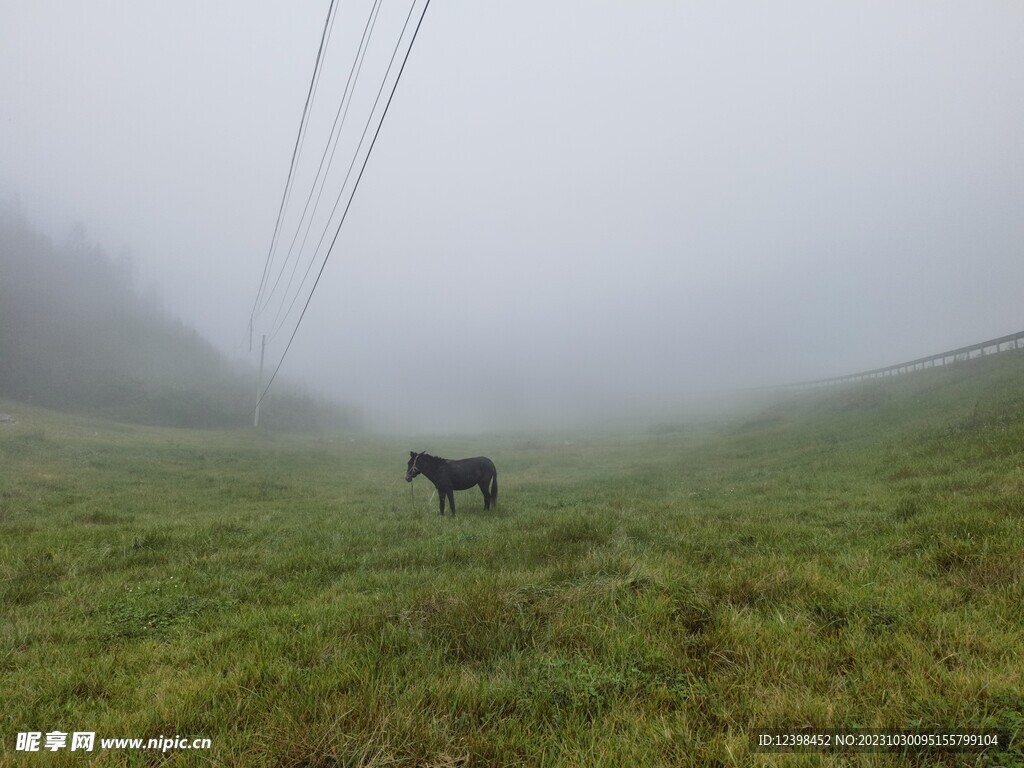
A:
x: 573, y: 210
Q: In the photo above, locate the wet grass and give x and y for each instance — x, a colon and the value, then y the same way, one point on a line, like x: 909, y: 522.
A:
x: 849, y: 558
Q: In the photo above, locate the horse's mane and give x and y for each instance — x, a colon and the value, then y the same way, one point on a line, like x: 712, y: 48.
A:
x: 430, y: 459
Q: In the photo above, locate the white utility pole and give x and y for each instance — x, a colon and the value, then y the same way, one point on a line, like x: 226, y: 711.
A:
x: 259, y: 383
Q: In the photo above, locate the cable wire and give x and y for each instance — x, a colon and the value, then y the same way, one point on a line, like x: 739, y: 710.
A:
x: 340, y: 118
x: 275, y: 244
x: 291, y: 169
x: 355, y: 186
x: 290, y: 185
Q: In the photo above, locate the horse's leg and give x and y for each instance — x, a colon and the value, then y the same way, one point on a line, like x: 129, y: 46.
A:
x: 451, y: 501
x: 487, y: 496
x: 440, y: 498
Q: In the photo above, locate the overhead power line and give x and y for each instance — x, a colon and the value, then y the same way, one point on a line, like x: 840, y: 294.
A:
x: 340, y: 118
x: 291, y: 168
x: 359, y: 177
x: 276, y: 242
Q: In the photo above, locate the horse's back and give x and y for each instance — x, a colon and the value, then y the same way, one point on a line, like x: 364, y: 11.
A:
x: 475, y: 461
x: 471, y: 471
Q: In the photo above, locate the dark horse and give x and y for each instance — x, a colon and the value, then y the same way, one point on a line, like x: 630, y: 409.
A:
x: 449, y: 476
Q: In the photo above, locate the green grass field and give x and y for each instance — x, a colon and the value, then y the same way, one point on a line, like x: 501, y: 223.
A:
x: 834, y: 559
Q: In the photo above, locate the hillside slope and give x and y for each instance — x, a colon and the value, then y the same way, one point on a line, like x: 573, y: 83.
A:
x: 75, y: 334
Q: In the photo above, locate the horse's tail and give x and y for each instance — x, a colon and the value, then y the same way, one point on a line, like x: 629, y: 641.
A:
x: 494, y: 488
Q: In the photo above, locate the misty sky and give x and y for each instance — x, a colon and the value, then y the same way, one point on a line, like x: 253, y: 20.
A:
x: 570, y: 206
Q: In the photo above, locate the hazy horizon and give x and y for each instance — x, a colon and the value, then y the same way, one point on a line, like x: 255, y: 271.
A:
x: 573, y: 213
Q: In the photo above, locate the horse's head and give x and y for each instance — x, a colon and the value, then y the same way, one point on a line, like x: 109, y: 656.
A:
x: 412, y: 470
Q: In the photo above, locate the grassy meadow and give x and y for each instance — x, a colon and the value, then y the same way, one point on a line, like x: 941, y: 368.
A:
x: 831, y: 559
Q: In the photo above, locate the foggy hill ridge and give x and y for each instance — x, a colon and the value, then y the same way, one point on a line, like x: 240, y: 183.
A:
x: 76, y: 334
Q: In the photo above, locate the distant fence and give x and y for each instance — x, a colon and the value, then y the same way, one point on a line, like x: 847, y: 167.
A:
x: 990, y: 347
